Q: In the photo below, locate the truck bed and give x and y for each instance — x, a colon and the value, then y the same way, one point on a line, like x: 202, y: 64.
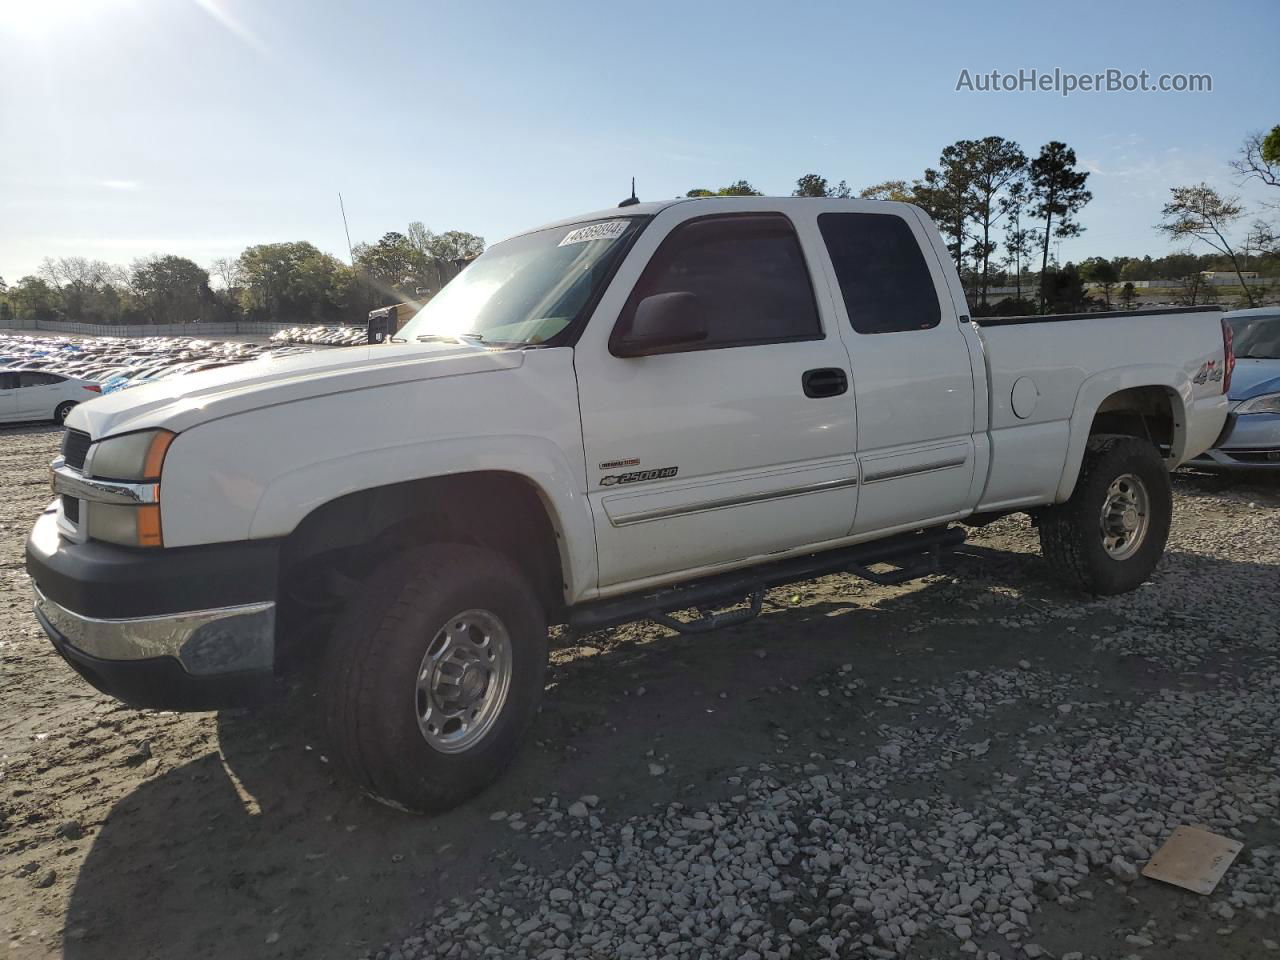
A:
x: 1042, y: 374
x: 1093, y: 315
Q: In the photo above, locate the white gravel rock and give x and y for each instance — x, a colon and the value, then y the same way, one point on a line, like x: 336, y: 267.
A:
x: 865, y: 855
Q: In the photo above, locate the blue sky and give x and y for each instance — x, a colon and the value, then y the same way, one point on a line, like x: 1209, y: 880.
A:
x: 198, y: 127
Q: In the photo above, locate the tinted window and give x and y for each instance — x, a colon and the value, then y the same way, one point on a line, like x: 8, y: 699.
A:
x: 883, y: 274
x: 748, y: 274
x: 8, y: 381
x: 38, y: 379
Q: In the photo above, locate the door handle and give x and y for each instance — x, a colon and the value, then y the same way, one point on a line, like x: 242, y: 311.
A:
x: 824, y: 382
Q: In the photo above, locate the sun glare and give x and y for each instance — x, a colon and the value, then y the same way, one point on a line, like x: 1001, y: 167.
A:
x: 34, y: 19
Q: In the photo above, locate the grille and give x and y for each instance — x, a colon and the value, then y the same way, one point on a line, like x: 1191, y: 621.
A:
x: 75, y: 446
x: 71, y: 508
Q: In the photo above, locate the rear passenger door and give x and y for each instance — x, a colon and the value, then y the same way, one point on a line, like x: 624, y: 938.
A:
x: 733, y: 447
x: 40, y: 393
x: 912, y: 375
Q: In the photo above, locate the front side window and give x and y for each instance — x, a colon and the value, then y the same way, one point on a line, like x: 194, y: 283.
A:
x: 528, y: 289
x: 37, y: 379
x: 883, y: 275
x: 747, y: 273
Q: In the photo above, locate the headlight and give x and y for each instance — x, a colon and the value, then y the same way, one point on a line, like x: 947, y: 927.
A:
x: 1267, y: 403
x: 127, y: 526
x: 134, y: 456
x: 131, y: 458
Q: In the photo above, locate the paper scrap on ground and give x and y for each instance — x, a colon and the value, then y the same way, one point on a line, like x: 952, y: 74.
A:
x: 1194, y: 859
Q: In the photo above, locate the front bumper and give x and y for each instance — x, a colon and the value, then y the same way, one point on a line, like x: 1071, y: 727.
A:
x: 161, y: 682
x: 182, y: 629
x: 1251, y: 442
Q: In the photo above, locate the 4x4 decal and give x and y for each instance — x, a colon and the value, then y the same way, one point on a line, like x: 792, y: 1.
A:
x: 1209, y: 371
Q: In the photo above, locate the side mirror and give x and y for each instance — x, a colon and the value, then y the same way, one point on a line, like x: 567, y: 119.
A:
x: 660, y: 323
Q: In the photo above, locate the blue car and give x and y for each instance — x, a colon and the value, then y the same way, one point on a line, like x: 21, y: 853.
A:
x: 1251, y: 438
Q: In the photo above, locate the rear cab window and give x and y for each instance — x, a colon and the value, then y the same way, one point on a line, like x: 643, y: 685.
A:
x: 884, y: 278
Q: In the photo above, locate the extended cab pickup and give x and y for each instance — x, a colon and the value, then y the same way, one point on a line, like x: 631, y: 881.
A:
x: 663, y: 407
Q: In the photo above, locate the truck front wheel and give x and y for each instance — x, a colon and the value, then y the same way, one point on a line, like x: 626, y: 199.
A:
x: 1110, y: 535
x: 433, y: 674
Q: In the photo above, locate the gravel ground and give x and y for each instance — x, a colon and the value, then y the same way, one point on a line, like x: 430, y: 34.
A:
x: 979, y: 763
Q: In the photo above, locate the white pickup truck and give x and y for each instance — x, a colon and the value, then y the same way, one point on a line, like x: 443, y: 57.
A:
x: 664, y: 407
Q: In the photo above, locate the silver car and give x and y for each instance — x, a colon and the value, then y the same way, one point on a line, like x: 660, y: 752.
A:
x: 1251, y: 438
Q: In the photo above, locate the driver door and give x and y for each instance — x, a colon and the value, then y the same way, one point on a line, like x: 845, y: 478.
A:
x: 729, y: 448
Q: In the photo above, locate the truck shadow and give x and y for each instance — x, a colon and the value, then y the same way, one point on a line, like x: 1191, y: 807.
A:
x: 260, y: 850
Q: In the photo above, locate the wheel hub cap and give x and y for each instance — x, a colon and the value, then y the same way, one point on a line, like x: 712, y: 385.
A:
x: 463, y: 681
x: 1125, y: 516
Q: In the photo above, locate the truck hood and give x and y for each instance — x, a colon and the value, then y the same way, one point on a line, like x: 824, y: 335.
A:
x: 1252, y: 378
x: 183, y: 402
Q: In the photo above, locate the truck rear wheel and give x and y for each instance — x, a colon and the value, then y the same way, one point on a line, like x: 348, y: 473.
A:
x: 433, y: 674
x: 1110, y: 535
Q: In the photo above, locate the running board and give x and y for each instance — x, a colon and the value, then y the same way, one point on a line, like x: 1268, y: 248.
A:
x: 912, y: 554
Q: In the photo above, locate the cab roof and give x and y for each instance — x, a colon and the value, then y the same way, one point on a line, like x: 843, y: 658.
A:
x: 654, y: 207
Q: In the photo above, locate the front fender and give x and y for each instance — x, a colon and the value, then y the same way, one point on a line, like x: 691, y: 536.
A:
x: 258, y: 474
x: 1096, y: 389
x: 290, y: 497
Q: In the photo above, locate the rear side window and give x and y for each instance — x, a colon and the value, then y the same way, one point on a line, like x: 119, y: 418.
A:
x: 39, y: 379
x: 883, y: 275
x: 748, y: 273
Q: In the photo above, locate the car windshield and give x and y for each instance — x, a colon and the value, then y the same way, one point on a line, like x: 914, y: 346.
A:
x: 525, y: 290
x: 1258, y: 338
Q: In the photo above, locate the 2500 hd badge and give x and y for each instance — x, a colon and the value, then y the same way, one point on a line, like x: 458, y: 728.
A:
x: 639, y: 476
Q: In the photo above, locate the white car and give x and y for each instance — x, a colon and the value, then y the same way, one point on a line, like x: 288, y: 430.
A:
x: 39, y: 395
x: 667, y: 407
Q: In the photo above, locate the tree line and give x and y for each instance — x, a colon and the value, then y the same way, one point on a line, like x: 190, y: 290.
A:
x: 988, y: 198
x: 1000, y: 210
x: 292, y: 282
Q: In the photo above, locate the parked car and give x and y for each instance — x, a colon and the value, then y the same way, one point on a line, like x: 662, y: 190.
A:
x: 1251, y: 438
x: 344, y: 336
x: 39, y: 395
x: 669, y: 407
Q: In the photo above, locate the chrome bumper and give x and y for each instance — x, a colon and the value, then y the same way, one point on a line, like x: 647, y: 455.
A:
x: 72, y: 482
x: 205, y: 642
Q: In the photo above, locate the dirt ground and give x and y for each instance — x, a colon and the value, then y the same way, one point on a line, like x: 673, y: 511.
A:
x: 128, y: 834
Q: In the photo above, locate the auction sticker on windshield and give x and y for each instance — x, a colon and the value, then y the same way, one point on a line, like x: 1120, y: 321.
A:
x: 610, y: 230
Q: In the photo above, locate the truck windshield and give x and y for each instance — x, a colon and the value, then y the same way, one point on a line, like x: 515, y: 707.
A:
x: 527, y: 289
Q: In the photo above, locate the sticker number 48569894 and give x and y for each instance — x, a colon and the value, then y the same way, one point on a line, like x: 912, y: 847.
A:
x: 609, y: 230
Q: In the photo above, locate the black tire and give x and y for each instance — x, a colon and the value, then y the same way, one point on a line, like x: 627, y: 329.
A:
x: 62, y: 411
x: 1071, y: 536
x: 373, y: 660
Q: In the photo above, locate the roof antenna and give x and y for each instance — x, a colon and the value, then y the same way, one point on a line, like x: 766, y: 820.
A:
x: 632, y: 200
